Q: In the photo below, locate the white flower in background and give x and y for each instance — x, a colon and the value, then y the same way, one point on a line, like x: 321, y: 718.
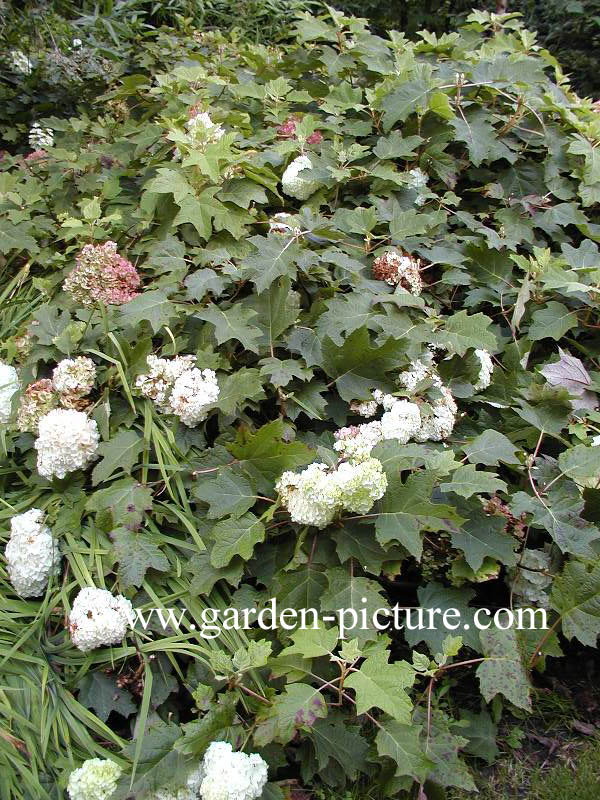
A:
x: 74, y: 376
x: 32, y: 553
x: 385, y: 400
x: 9, y: 384
x: 21, y: 62
x: 203, y: 129
x: 401, y: 422
x: 361, y: 484
x: 485, y: 370
x: 417, y: 373
x: 76, y: 43
x: 67, y: 440
x: 280, y: 223
x: 178, y: 387
x: 438, y: 423
x: 356, y: 442
x: 96, y: 779
x: 99, y: 618
x: 157, y: 384
x: 193, y: 393
x: 366, y: 409
x: 311, y: 496
x: 398, y: 268
x: 418, y: 181
x: 40, y: 138
x: 294, y: 184
x: 229, y: 775
x: 595, y: 441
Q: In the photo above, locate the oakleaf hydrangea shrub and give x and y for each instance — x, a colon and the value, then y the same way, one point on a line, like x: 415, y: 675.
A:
x: 243, y: 362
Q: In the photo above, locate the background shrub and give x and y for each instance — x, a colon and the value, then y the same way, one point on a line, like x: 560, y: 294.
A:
x: 468, y: 157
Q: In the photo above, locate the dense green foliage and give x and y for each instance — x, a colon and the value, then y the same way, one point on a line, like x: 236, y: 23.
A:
x: 298, y: 328
x: 570, y: 30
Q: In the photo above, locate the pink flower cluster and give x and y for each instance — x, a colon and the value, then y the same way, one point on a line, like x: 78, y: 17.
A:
x: 35, y: 155
x: 101, y: 274
x: 288, y: 131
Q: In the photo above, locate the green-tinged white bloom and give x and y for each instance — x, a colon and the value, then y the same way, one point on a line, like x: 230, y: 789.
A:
x: 311, y: 496
x: 96, y: 779
x: 294, y: 183
x: 361, y: 484
x: 9, y: 384
x: 315, y: 495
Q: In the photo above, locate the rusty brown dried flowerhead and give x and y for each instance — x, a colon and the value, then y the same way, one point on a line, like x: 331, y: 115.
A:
x: 398, y: 268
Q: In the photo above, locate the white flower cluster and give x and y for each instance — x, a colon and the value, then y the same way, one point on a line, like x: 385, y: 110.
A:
x: 99, y: 618
x: 67, y: 440
x: 356, y: 441
x: 230, y: 775
x: 292, y: 182
x: 402, y: 419
x: 279, y: 223
x: 438, y: 422
x: 485, y: 370
x: 418, y: 181
x: 315, y: 495
x: 20, y: 62
x: 366, y: 409
x: 9, y: 384
x: 40, y: 138
x: 178, y: 387
x: 32, y: 553
x: 203, y: 129
x: 96, y: 779
x: 74, y: 376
